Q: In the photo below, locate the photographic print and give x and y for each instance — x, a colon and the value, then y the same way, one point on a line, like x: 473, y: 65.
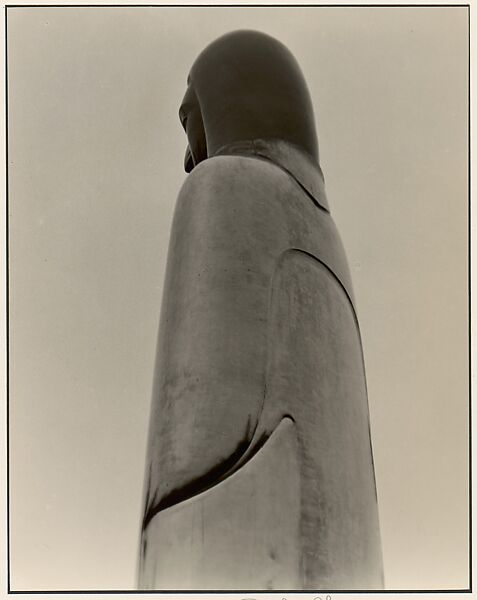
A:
x: 238, y: 298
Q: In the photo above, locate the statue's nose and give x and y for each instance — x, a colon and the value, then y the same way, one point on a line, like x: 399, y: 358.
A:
x: 188, y: 161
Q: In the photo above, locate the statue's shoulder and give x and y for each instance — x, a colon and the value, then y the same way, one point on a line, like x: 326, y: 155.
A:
x: 228, y: 184
x: 232, y: 172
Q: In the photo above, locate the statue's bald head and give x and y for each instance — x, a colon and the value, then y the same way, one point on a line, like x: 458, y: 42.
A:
x: 245, y: 86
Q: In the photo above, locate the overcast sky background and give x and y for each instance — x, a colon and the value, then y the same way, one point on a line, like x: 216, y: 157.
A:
x: 95, y: 165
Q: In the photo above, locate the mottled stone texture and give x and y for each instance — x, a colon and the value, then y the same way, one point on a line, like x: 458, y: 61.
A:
x: 260, y: 471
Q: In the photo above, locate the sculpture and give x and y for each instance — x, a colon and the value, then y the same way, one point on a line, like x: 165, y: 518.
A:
x: 260, y: 471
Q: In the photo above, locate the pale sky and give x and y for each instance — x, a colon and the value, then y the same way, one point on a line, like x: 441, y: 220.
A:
x: 96, y: 154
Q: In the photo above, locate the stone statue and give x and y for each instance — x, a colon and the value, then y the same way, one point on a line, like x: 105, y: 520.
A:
x: 260, y: 471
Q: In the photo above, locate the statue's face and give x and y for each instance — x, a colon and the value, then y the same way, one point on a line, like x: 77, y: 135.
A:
x: 191, y: 119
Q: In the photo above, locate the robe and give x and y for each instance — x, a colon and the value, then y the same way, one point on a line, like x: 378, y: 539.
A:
x: 260, y: 471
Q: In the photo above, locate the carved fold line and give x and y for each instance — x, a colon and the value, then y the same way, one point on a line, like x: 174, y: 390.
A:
x: 355, y: 317
x: 197, y: 487
x: 330, y: 271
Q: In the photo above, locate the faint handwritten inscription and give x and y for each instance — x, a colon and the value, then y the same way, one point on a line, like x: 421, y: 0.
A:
x: 327, y: 597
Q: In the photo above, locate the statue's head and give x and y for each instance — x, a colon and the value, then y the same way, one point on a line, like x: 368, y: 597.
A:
x: 246, y: 86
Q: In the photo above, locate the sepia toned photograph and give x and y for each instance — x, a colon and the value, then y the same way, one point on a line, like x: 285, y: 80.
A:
x: 238, y: 298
